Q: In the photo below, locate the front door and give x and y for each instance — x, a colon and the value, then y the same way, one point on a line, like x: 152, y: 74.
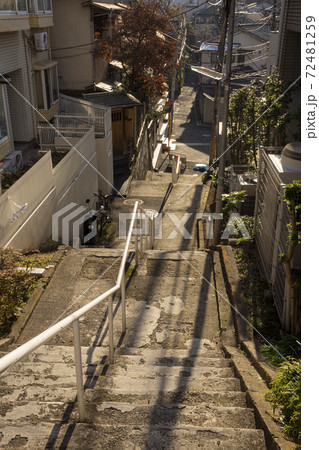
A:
x: 118, y: 132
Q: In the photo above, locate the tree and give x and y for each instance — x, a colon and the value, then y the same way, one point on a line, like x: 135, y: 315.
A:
x: 272, y: 107
x: 257, y: 115
x: 242, y: 113
x: 141, y: 42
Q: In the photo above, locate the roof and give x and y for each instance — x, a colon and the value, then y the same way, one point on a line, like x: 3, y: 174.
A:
x: 208, y: 72
x: 208, y: 11
x: 113, y: 99
x: 261, y: 34
x: 109, y: 6
x: 213, y: 47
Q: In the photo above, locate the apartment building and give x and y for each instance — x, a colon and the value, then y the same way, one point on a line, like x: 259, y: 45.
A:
x: 28, y: 81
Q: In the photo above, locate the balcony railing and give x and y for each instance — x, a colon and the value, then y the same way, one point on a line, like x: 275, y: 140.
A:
x: 13, y: 7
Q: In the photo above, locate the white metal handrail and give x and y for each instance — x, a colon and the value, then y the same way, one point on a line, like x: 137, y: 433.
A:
x: 176, y: 168
x: 16, y: 355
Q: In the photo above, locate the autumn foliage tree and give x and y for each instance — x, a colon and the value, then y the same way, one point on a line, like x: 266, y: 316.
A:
x: 141, y: 41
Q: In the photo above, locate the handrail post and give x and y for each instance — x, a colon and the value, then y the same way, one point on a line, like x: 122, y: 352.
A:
x: 123, y: 297
x: 78, y: 369
x: 136, y: 242
x: 152, y: 231
x: 173, y: 170
x: 141, y: 228
x: 111, y: 344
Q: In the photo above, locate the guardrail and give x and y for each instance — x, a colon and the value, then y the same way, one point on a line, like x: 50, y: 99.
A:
x: 16, y: 355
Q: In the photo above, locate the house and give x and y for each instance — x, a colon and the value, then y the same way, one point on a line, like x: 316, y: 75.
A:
x: 190, y: 7
x: 78, y: 27
x: 83, y: 73
x: 272, y: 218
x: 124, y: 124
x: 285, y: 50
x: 28, y: 80
x: 254, y: 46
x: 207, y: 22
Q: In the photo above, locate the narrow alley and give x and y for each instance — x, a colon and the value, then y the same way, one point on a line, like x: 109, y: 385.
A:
x: 171, y: 385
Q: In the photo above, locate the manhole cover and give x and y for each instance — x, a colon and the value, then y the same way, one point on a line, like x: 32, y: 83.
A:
x: 131, y: 201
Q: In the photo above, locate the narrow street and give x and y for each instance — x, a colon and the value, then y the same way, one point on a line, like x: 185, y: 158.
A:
x: 192, y: 139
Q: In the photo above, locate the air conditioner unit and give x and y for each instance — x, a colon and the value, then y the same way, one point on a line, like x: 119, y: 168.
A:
x: 41, y: 41
x: 13, y: 162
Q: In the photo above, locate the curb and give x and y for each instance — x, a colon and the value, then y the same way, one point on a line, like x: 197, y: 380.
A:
x: 254, y: 387
x: 33, y: 301
x: 255, y: 376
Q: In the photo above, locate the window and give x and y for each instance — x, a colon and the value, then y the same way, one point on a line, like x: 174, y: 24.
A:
x: 46, y: 84
x: 40, y: 6
x: 4, y: 134
x: 13, y: 7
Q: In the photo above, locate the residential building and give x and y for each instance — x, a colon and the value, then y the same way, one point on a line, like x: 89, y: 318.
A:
x: 276, y: 170
x: 207, y: 22
x: 83, y: 72
x: 78, y: 28
x: 28, y: 74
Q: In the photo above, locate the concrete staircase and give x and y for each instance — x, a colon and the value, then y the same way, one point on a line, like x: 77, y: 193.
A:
x: 170, y: 387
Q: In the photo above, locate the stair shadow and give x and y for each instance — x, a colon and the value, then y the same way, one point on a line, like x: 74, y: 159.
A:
x: 90, y: 381
x: 179, y: 394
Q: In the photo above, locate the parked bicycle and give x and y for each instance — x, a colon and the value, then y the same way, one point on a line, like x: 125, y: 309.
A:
x: 101, y: 215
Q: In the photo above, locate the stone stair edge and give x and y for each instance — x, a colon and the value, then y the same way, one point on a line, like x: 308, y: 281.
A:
x: 255, y: 387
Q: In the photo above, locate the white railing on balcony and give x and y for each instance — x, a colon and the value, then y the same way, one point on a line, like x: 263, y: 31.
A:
x: 16, y: 355
x: 97, y: 115
x: 12, y: 7
x: 63, y: 137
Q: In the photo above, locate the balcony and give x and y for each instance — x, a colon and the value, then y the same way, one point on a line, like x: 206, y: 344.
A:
x: 14, y: 15
x: 41, y: 13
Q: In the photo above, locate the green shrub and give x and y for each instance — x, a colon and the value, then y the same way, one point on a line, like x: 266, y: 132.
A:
x: 16, y: 287
x: 285, y: 396
x: 288, y: 346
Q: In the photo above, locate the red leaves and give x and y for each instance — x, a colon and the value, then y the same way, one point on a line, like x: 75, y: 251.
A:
x: 141, y: 42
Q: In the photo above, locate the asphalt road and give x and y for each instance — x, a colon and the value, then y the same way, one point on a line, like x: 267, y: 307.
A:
x: 192, y: 140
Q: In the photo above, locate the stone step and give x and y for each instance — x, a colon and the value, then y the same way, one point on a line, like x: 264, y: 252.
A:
x: 150, y: 371
x: 198, y: 348
x: 177, y: 414
x: 127, y: 355
x: 121, y: 368
x: 47, y: 435
x: 125, y: 384
x: 189, y: 398
x: 117, y: 413
x: 174, y: 361
x: 61, y: 394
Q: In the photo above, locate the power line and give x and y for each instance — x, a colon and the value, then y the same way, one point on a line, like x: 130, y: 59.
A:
x: 191, y: 9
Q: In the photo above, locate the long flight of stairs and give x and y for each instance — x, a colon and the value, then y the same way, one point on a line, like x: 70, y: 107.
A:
x: 171, y: 386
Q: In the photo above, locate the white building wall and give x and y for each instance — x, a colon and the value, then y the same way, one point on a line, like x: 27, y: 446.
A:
x: 13, y: 62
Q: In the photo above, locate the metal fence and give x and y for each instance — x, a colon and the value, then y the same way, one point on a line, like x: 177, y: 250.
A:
x: 85, y: 112
x: 61, y: 138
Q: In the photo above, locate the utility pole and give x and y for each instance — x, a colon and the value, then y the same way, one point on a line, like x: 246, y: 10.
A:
x: 273, y: 26
x: 173, y: 84
x: 223, y: 144
x: 219, y: 67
